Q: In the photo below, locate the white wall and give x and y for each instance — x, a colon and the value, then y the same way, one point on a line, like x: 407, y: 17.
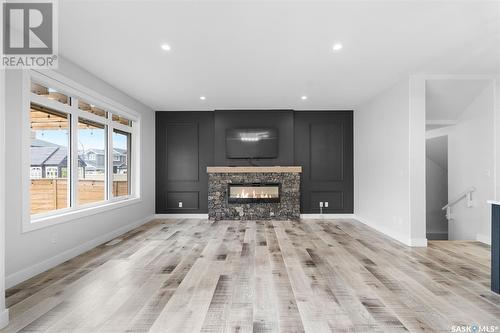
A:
x: 497, y: 139
x: 33, y: 252
x: 381, y: 155
x: 471, y: 163
x: 390, y: 163
x: 417, y: 102
x: 4, y: 317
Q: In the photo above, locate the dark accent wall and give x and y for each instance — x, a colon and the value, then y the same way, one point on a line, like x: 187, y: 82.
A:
x: 280, y: 119
x: 319, y: 141
x: 324, y: 149
x: 184, y: 148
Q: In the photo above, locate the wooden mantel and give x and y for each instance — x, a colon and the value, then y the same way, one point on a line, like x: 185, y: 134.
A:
x: 254, y: 169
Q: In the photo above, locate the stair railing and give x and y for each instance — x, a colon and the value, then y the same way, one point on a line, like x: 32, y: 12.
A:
x: 466, y: 194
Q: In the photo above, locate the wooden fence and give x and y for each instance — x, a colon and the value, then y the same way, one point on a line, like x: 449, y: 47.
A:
x: 52, y: 194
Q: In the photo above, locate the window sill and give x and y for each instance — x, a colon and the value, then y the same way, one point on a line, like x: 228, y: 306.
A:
x: 63, y: 217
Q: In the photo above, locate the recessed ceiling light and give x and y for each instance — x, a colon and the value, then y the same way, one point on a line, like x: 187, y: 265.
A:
x: 337, y: 47
x: 165, y: 47
x: 203, y: 98
x: 303, y: 98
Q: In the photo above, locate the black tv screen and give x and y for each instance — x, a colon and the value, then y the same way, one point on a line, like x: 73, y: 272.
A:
x: 252, y: 143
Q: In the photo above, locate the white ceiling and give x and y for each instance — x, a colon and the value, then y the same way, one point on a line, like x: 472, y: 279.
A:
x: 448, y: 99
x: 243, y: 54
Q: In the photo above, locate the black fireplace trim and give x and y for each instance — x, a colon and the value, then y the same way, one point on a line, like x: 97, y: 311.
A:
x: 253, y: 200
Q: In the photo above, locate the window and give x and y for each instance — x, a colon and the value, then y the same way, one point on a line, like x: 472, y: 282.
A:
x: 92, y: 187
x: 49, y: 130
x: 79, y: 153
x: 51, y: 172
x: 49, y: 93
x: 121, y: 165
x: 91, y: 108
x: 35, y: 172
x: 122, y: 120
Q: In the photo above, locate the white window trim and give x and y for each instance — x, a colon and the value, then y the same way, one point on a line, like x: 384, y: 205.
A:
x: 38, y: 171
x: 50, y: 169
x: 68, y: 215
x: 73, y: 89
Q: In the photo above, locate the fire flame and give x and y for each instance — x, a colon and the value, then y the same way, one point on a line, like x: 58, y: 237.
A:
x: 254, y: 195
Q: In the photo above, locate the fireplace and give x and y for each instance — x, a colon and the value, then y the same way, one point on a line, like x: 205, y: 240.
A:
x: 231, y: 193
x: 253, y: 193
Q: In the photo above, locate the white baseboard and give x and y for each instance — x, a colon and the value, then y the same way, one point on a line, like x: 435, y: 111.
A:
x: 486, y: 239
x: 4, y: 318
x: 327, y: 216
x: 417, y: 242
x: 414, y: 242
x: 24, y: 274
x: 181, y: 216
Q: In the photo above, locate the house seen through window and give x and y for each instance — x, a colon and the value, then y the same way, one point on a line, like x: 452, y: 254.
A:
x: 48, y: 158
x: 121, y: 174
x: 91, y: 144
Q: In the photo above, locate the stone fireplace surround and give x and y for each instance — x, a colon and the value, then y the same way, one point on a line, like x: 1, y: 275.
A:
x: 287, y: 208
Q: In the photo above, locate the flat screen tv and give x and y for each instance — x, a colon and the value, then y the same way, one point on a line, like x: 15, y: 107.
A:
x: 252, y: 143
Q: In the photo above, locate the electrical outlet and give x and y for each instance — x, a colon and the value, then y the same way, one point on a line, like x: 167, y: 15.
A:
x: 326, y: 204
x: 321, y: 204
x: 180, y: 204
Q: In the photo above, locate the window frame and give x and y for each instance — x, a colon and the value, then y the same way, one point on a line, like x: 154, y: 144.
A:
x: 49, y: 170
x: 39, y: 171
x: 75, y: 91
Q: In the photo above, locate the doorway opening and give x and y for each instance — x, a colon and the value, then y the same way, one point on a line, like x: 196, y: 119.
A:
x: 460, y: 158
x: 436, y: 187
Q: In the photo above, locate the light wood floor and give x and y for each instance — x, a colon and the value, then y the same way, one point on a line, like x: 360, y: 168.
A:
x: 313, y: 276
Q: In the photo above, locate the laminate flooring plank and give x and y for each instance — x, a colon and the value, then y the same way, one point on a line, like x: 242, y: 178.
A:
x: 196, y: 275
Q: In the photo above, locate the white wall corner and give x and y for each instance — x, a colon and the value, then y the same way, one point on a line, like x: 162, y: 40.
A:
x: 417, y: 242
x: 486, y: 239
x: 4, y: 318
x: 27, y: 273
x: 417, y: 160
x: 391, y: 233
